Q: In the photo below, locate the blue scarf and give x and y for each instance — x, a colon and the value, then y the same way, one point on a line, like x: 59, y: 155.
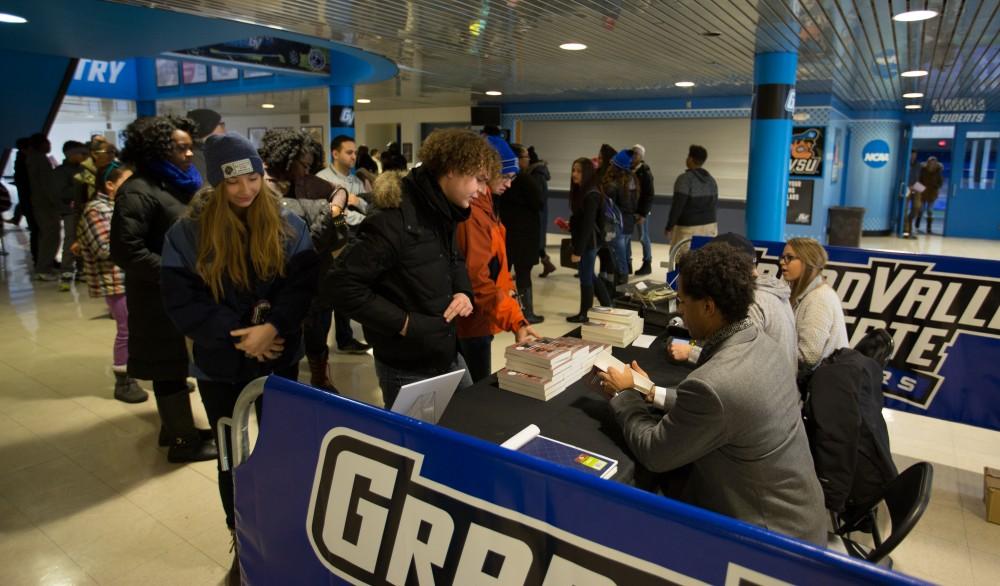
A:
x: 187, y: 181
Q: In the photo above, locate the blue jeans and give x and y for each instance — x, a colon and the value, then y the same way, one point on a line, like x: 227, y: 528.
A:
x: 586, y: 268
x: 392, y: 379
x: 647, y: 244
x: 621, y: 249
x: 478, y: 354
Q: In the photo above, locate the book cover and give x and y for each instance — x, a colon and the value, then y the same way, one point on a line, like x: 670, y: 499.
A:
x: 571, y: 456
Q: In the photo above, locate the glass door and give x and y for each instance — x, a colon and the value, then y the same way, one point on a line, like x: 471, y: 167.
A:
x: 974, y: 194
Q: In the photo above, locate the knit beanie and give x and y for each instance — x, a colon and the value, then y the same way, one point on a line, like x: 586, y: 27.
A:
x: 623, y: 160
x: 508, y: 160
x: 205, y: 122
x: 230, y: 155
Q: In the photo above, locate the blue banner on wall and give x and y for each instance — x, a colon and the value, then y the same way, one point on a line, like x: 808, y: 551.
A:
x: 944, y: 315
x: 339, y: 491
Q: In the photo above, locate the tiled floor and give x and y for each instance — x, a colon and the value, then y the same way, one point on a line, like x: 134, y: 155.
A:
x: 86, y: 497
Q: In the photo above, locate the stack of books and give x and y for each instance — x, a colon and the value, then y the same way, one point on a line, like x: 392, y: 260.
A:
x: 611, y: 325
x: 545, y: 367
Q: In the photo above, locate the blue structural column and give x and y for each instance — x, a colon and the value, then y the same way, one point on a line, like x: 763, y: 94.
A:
x: 145, y: 108
x: 341, y: 110
x: 770, y: 144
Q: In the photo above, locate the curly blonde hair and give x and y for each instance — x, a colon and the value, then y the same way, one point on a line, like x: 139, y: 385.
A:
x: 459, y: 151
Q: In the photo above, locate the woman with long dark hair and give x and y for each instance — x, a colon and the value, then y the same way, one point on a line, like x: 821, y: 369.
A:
x: 146, y: 206
x: 587, y: 230
x: 238, y: 275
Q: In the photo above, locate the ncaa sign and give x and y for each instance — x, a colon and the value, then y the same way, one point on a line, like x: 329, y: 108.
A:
x: 876, y: 154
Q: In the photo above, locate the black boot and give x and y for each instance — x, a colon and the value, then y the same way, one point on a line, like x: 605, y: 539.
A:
x: 319, y: 369
x: 603, y: 296
x: 127, y: 390
x: 163, y: 440
x: 929, y: 220
x: 547, y: 267
x: 186, y: 443
x: 234, y: 578
x: 645, y: 269
x: 586, y: 302
x: 529, y: 307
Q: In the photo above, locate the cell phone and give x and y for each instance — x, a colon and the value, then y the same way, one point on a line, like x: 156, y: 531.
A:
x: 261, y: 309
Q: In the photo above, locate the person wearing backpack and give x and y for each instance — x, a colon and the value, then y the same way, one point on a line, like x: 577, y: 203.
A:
x: 587, y: 228
x: 621, y: 190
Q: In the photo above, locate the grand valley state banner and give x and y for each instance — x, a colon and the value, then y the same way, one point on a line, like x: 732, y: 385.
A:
x: 944, y: 316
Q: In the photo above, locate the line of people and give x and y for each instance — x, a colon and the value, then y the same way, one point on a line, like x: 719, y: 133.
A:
x: 246, y: 259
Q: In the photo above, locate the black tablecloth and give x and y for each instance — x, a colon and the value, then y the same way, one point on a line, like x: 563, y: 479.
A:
x: 580, y: 415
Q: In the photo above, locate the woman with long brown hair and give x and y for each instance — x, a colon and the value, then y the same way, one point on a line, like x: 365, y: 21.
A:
x: 587, y: 229
x: 238, y: 276
x: 819, y: 316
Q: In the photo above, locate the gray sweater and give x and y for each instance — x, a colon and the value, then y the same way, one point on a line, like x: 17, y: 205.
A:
x: 736, y: 420
x: 819, y: 321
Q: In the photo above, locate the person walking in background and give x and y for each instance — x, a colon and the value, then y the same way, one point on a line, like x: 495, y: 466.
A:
x: 482, y: 240
x: 45, y: 206
x: 586, y: 226
x: 539, y: 169
x: 914, y: 187
x: 365, y: 161
x: 104, y: 278
x: 23, y: 208
x: 819, y: 315
x: 146, y: 206
x: 403, y: 277
x: 693, y: 209
x: 72, y: 197
x: 645, y: 206
x: 619, y: 185
x: 102, y: 153
x: 238, y: 275
x: 932, y: 178
x: 520, y: 209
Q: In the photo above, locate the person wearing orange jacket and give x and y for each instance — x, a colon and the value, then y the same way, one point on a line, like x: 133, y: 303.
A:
x: 481, y: 239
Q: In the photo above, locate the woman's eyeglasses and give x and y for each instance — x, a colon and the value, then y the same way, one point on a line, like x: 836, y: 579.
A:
x: 787, y: 258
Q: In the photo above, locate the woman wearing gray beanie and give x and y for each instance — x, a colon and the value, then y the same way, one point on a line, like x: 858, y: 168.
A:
x: 238, y: 275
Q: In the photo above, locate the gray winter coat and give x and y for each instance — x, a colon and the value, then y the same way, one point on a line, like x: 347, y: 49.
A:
x: 736, y: 420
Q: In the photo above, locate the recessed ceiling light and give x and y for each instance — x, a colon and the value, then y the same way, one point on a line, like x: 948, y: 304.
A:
x: 572, y: 46
x: 913, y: 95
x: 364, y: 101
x: 801, y: 116
x: 267, y: 106
x: 914, y: 73
x: 913, y: 106
x: 684, y: 84
x: 12, y: 18
x: 914, y: 15
x: 494, y: 93
x: 711, y: 34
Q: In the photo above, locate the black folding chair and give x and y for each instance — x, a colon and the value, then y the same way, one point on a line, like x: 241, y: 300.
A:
x: 906, y: 498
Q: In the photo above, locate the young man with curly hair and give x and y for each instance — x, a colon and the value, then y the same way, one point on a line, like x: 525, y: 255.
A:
x: 403, y: 278
x: 735, y: 419
x: 159, y: 148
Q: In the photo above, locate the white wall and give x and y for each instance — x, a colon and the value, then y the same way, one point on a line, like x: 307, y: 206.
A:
x: 666, y: 142
x: 409, y: 120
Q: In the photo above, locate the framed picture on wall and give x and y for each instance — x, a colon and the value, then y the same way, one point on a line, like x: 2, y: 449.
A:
x: 253, y: 73
x: 223, y: 73
x: 194, y: 72
x: 254, y: 135
x: 167, y: 73
x: 316, y: 132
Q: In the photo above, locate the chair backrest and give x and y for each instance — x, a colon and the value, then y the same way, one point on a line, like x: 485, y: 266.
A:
x: 906, y: 497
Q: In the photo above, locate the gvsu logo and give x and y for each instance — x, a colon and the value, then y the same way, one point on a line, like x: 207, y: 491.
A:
x: 876, y: 154
x: 374, y: 520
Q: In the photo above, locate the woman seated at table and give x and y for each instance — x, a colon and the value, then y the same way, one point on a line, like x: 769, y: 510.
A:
x: 735, y: 418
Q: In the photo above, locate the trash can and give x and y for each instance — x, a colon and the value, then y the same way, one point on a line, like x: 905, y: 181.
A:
x: 843, y: 226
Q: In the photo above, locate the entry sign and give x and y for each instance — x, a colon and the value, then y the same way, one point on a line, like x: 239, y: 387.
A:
x: 800, y: 202
x: 876, y: 154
